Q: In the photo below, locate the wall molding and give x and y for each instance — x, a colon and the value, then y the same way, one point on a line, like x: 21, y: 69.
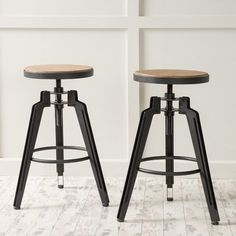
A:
x: 62, y: 22
x: 188, y: 22
x: 120, y: 22
x: 10, y: 166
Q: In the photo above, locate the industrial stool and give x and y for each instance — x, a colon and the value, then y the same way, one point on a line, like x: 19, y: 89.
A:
x: 59, y: 72
x: 170, y: 77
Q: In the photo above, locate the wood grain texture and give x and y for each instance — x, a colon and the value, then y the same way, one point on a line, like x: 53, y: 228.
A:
x: 168, y: 73
x: 58, y: 71
x: 77, y: 209
x: 108, y: 224
x: 27, y: 216
x: 134, y: 216
x: 77, y: 194
x: 57, y: 68
x: 227, y: 192
x: 90, y: 215
x: 174, y: 215
x: 195, y: 220
x: 171, y: 76
x: 153, y: 212
x: 11, y: 218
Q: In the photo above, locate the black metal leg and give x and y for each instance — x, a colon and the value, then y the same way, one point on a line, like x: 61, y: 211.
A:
x: 36, y: 114
x: 169, y: 134
x: 141, y: 137
x: 59, y: 132
x: 86, y: 129
x: 169, y: 152
x: 201, y: 156
x: 59, y: 142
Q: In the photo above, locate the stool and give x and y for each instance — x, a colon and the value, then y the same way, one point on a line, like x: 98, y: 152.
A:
x: 59, y: 72
x: 170, y: 77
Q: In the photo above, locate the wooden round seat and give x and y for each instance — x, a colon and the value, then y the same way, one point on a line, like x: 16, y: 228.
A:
x: 166, y: 76
x: 58, y: 71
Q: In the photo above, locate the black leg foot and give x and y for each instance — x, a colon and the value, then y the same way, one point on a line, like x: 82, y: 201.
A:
x: 35, y: 119
x: 86, y: 129
x: 141, y: 137
x: 201, y: 156
x: 169, y: 194
x: 105, y: 204
x: 60, y: 181
x: 120, y: 220
x: 215, y: 222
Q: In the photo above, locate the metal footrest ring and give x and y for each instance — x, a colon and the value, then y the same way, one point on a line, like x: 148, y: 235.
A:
x: 60, y: 161
x: 177, y: 173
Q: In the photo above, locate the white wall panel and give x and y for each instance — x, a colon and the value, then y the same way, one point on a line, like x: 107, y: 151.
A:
x: 210, y: 50
x: 105, y: 93
x: 62, y: 7
x: 116, y: 37
x: 187, y: 7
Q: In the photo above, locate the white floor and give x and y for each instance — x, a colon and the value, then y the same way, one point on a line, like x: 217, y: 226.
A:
x: 76, y: 209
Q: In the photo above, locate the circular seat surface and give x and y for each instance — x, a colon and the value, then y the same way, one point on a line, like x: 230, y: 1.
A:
x: 58, y: 71
x: 166, y: 76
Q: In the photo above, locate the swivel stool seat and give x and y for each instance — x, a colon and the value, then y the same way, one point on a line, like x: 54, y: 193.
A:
x: 170, y: 77
x: 57, y: 73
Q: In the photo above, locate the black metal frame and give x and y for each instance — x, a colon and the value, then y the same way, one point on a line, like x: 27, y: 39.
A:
x: 169, y: 133
x: 199, y: 148
x: 168, y: 173
x: 83, y: 118
x: 63, y: 161
x: 201, y: 156
x: 59, y: 130
x: 140, y: 141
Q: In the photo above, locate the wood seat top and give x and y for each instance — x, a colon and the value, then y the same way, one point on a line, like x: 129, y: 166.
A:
x: 58, y: 71
x: 169, y: 76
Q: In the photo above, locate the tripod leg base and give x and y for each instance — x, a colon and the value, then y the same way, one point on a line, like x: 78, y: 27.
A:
x: 83, y: 118
x: 35, y: 119
x: 139, y: 145
x: 201, y: 156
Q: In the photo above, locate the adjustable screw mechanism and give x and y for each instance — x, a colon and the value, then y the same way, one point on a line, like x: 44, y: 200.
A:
x: 58, y: 92
x: 169, y: 98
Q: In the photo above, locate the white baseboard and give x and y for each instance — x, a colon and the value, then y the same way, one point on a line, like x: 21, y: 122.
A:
x: 111, y: 168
